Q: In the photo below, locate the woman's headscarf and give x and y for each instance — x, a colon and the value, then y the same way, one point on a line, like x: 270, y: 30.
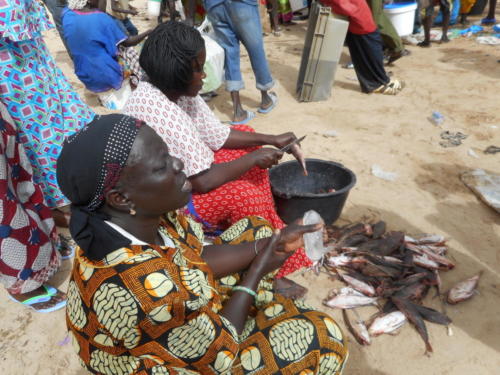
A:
x: 89, y: 166
x: 77, y: 4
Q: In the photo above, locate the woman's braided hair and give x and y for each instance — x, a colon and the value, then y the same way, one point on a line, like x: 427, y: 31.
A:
x: 168, y: 54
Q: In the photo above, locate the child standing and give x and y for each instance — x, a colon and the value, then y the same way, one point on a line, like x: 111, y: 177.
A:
x: 428, y: 7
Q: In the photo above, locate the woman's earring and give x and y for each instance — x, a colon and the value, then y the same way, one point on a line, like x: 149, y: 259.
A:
x: 132, y: 212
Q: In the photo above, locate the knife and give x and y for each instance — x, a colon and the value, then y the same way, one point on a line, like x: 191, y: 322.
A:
x: 289, y: 146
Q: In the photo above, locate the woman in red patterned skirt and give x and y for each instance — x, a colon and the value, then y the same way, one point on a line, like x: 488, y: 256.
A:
x: 226, y: 165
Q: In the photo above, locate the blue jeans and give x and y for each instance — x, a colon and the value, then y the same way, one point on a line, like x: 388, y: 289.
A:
x: 236, y: 21
x: 129, y: 26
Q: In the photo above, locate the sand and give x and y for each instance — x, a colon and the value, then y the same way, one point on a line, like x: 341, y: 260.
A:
x: 459, y: 79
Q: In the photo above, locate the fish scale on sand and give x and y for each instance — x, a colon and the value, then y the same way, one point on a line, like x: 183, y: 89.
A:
x: 393, y: 267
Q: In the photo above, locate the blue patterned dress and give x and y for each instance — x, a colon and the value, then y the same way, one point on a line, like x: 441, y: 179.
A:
x: 43, y: 104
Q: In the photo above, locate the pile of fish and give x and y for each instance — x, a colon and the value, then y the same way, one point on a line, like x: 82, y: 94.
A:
x: 392, y: 271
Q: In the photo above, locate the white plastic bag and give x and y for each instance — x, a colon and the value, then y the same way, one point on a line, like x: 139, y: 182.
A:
x: 485, y: 185
x: 214, y: 65
x: 116, y: 99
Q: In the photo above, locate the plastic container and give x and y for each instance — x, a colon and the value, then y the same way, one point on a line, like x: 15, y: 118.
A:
x: 298, y: 5
x: 294, y: 193
x: 323, y: 46
x: 402, y: 16
x: 154, y: 7
x: 313, y: 242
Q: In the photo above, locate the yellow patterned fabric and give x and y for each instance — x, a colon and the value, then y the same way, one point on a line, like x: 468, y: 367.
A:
x: 155, y: 310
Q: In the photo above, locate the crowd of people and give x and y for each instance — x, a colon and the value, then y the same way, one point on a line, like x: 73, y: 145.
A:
x: 181, y: 258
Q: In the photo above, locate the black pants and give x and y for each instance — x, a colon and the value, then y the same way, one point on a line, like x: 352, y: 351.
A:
x: 368, y: 59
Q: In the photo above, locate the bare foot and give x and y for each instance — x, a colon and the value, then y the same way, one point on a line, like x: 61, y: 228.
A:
x: 425, y: 43
x: 288, y: 288
x: 51, y: 302
x: 444, y: 39
x: 60, y: 218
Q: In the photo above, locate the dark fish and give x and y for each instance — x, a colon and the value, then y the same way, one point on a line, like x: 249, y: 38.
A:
x: 357, y: 327
x: 411, y: 279
x: 389, y: 307
x: 415, y: 292
x: 378, y: 229
x: 355, y: 240
x: 432, y: 315
x: 392, y: 242
x: 374, y: 270
x: 414, y: 317
x: 371, y: 246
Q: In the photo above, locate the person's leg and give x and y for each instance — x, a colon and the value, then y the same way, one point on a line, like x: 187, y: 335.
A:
x: 427, y: 23
x: 272, y: 6
x: 246, y: 21
x: 226, y: 37
x: 444, y: 6
x: 368, y: 59
x: 491, y: 10
x: 129, y: 26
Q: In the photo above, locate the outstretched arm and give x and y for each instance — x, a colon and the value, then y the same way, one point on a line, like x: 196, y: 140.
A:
x: 219, y: 174
x: 135, y: 39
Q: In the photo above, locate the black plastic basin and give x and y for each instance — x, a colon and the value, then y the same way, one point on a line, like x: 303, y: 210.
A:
x: 294, y: 193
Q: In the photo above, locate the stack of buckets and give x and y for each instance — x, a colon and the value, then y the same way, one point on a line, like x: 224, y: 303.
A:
x: 402, y: 16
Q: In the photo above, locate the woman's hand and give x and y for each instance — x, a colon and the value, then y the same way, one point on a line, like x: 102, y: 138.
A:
x: 292, y: 236
x: 282, y: 140
x: 285, y: 139
x: 282, y: 244
x: 265, y: 158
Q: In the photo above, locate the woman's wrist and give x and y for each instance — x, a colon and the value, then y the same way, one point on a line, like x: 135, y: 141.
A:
x: 270, y: 140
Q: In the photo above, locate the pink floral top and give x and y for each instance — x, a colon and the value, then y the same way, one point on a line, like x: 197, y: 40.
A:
x: 188, y: 127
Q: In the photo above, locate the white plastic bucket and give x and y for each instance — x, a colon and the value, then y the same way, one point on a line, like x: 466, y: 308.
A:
x: 298, y: 5
x: 154, y: 8
x: 402, y: 16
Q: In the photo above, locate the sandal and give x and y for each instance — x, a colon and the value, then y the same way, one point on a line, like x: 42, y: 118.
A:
x: 392, y: 88
x: 488, y: 21
x: 248, y: 118
x: 47, y: 296
x: 274, y: 99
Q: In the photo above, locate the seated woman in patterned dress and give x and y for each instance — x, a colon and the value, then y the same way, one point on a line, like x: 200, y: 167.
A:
x: 101, y: 51
x: 144, y: 294
x: 225, y: 165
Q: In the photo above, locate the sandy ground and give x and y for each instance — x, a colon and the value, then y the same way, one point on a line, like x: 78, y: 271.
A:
x: 459, y: 79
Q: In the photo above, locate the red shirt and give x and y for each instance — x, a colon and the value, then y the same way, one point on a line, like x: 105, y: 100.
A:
x: 359, y: 14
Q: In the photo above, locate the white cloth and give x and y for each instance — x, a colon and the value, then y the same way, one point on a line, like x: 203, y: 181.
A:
x: 188, y: 127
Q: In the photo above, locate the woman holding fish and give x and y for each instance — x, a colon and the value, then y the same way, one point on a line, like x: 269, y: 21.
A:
x: 226, y: 165
x: 145, y: 295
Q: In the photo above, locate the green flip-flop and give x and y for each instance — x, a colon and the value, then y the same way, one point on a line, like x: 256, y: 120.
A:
x: 49, y: 293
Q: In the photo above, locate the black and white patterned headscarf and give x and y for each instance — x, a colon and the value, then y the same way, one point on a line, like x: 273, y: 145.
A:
x: 89, y: 166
